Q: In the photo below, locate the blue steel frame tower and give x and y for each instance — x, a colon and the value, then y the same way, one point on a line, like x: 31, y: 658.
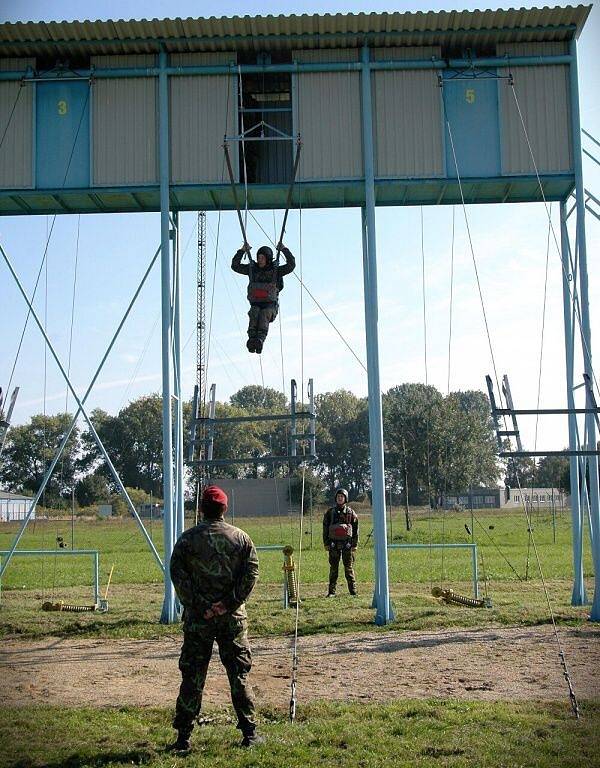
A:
x: 200, y: 55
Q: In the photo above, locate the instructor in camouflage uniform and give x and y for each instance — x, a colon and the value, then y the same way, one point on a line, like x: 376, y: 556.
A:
x: 214, y: 567
x: 340, y: 539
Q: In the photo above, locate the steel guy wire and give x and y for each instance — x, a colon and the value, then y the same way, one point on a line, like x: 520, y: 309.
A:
x: 573, y: 292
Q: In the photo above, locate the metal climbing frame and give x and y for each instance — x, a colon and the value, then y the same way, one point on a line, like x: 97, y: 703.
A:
x: 208, y: 424
x: 471, y: 547
x: 504, y: 450
x: 93, y: 553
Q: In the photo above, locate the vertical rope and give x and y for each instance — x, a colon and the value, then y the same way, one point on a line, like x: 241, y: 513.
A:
x: 295, y: 659
x: 427, y: 405
x: 572, y: 697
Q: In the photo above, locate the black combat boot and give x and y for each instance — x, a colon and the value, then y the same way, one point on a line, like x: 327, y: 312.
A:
x: 258, y: 345
x: 251, y: 344
x: 252, y: 739
x: 182, y: 743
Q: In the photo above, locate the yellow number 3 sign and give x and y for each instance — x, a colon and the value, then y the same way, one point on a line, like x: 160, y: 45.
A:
x: 63, y: 107
x: 470, y: 95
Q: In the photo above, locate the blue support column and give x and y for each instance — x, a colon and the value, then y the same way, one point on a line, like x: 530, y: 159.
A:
x: 578, y: 596
x: 169, y: 613
x: 384, y: 613
x: 586, y: 333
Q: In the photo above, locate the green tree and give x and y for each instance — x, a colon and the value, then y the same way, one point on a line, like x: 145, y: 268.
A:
x: 554, y: 472
x: 255, y: 399
x: 133, y: 440
x: 137, y: 495
x: 29, y: 450
x: 342, y: 440
x: 520, y: 472
x: 468, y: 450
x: 92, y: 489
x: 412, y: 416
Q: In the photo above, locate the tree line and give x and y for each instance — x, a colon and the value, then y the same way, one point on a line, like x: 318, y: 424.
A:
x: 434, y: 444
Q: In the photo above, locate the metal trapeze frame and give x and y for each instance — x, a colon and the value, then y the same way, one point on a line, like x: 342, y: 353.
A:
x: 578, y: 298
x: 236, y: 200
x: 98, y: 603
x: 471, y: 547
x: 502, y: 434
x: 206, y: 427
x: 580, y: 453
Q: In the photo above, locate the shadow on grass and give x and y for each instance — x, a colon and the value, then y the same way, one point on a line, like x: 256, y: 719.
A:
x: 78, y: 760
x: 131, y: 627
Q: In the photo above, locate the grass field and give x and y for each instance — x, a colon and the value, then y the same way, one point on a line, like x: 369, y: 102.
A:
x: 422, y: 733
x: 408, y: 733
x: 505, y: 557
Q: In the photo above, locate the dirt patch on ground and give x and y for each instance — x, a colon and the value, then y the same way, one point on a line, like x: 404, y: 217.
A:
x: 490, y: 664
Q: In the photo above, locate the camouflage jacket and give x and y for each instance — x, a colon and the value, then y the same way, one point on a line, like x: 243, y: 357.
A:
x: 267, y: 274
x: 344, y: 515
x: 212, y: 562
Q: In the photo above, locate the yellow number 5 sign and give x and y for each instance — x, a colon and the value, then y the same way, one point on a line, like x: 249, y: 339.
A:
x: 63, y: 107
x: 470, y: 95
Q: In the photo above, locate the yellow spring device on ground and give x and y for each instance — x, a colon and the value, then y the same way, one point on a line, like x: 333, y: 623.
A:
x: 289, y: 568
x: 450, y: 596
x: 60, y: 606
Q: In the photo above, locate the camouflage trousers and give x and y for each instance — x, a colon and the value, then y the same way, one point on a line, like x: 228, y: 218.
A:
x: 347, y: 557
x: 231, y: 636
x: 260, y: 317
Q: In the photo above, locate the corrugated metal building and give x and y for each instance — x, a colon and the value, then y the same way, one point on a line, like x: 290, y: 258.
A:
x: 265, y: 497
x: 85, y: 137
x: 14, y: 506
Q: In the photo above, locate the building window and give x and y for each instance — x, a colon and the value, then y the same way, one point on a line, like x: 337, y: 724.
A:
x: 517, y: 497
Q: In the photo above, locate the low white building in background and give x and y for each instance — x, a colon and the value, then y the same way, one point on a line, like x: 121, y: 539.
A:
x: 14, y: 506
x: 552, y: 498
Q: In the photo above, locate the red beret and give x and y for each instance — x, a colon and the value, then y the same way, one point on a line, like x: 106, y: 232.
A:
x: 214, y: 493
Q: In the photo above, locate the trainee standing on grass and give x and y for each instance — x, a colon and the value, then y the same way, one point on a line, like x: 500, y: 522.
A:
x: 340, y: 539
x: 214, y: 568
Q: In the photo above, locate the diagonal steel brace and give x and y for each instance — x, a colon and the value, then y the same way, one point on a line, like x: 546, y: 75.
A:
x: 80, y: 409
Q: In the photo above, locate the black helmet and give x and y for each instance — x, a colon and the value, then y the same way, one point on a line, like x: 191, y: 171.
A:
x: 267, y: 253
x: 343, y: 491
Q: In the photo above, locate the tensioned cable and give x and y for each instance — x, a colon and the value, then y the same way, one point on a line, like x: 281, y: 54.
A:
x: 539, y: 389
x: 241, y: 103
x: 72, y: 311
x: 448, y: 390
x: 479, y: 288
x: 572, y: 697
x: 319, y: 307
x: 428, y: 404
x: 212, y: 298
x: 301, y: 304
x: 48, y: 238
x: 295, y: 660
x: 572, y: 293
x: 451, y: 298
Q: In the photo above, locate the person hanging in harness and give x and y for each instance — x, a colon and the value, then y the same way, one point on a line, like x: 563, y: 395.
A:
x: 340, y: 539
x: 265, y: 282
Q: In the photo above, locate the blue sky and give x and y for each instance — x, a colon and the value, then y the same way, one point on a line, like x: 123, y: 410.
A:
x: 510, y: 246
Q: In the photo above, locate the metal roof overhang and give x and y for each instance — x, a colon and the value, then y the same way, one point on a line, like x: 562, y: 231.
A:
x: 81, y: 38
x: 334, y: 194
